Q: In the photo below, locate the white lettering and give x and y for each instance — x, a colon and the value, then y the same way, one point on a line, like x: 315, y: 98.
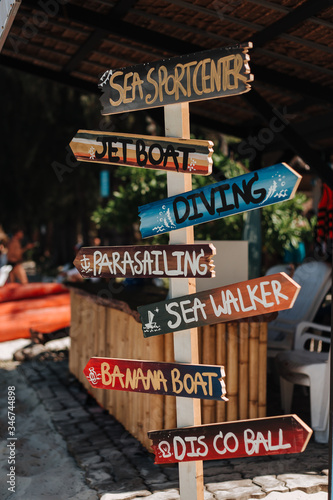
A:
x: 264, y: 293
x: 97, y: 258
x: 243, y: 308
x: 178, y: 440
x: 276, y: 285
x: 138, y: 269
x: 127, y: 260
x: 169, y: 310
x: 186, y: 311
x: 157, y: 253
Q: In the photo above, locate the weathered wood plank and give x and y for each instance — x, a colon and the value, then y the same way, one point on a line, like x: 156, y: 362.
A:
x: 228, y: 303
x: 145, y: 151
x: 193, y: 77
x: 143, y: 261
x: 171, y: 379
x: 233, y: 196
x: 243, y: 438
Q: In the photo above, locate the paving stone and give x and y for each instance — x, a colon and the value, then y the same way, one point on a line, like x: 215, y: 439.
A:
x: 98, y: 442
x: 214, y: 471
x: 81, y: 456
x: 77, y: 447
x: 69, y: 402
x: 242, y: 489
x: 67, y: 428
x: 88, y: 427
x: 90, y: 461
x: 172, y: 494
x: 125, y: 496
x: 266, y: 468
x: 129, y: 485
x: 208, y: 495
x: 97, y: 410
x: 45, y: 393
x: 52, y: 405
x: 78, y: 412
x: 59, y: 416
x: 296, y: 495
x: 270, y: 483
x: 110, y: 453
x: 220, y: 478
x: 309, y: 483
x: 98, y: 476
x: 171, y: 472
x: 155, y: 486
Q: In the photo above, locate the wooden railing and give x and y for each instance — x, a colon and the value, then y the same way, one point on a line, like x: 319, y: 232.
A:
x: 110, y: 329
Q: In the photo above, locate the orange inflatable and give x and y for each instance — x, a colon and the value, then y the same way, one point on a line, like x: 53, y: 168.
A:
x: 44, y: 307
x: 17, y: 291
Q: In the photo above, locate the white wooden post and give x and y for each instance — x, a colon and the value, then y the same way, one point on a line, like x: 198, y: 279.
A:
x: 177, y: 124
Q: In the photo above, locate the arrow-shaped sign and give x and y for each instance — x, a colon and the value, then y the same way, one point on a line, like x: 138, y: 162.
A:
x: 171, y: 379
x: 233, y: 196
x: 242, y: 438
x: 159, y: 153
x: 228, y: 303
x: 143, y: 261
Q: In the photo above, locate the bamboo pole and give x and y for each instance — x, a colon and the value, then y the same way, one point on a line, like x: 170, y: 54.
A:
x: 170, y: 421
x: 262, y: 375
x: 156, y: 353
x: 122, y: 396
x: 208, y: 357
x: 111, y: 343
x: 243, y: 389
x: 253, y: 369
x: 133, y: 342
x: 221, y: 360
x: 177, y: 124
x: 84, y: 328
x: 139, y: 400
x: 102, y: 329
x: 232, y: 371
x: 74, y: 332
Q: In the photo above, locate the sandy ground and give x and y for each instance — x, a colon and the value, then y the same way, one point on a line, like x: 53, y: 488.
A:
x: 43, y: 467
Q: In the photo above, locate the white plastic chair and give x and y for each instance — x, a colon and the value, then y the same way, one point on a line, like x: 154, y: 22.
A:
x: 315, y: 279
x: 309, y: 368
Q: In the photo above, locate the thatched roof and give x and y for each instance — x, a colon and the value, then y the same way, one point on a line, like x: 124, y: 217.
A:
x: 74, y: 42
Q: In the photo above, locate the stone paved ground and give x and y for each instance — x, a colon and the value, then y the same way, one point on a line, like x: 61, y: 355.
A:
x: 117, y: 467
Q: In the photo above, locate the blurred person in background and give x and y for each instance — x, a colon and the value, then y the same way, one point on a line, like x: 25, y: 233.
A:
x: 15, y: 256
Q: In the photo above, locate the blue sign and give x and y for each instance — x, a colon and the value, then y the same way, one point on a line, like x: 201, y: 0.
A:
x: 105, y: 183
x: 233, y: 196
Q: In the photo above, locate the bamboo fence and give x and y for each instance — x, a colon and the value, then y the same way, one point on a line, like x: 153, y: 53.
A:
x: 110, y: 329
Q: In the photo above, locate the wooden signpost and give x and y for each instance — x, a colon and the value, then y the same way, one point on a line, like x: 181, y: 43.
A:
x: 173, y: 83
x: 193, y: 77
x: 233, y: 196
x: 228, y: 303
x: 171, y: 379
x: 146, y: 261
x: 145, y: 151
x: 243, y: 438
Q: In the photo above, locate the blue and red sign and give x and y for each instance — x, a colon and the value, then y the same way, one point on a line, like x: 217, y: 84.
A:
x: 171, y: 379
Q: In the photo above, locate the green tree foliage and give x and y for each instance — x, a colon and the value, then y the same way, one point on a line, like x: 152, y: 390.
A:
x: 282, y: 223
x: 284, y: 226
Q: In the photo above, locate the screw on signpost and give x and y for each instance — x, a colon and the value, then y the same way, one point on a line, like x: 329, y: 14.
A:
x: 177, y: 124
